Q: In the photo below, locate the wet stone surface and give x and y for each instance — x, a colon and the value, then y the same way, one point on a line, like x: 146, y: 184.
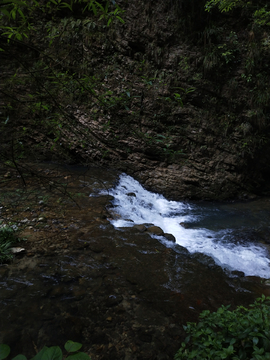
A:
x: 121, y: 293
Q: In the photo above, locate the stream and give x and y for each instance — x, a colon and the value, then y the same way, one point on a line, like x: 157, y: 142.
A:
x: 225, y: 232
x: 90, y: 273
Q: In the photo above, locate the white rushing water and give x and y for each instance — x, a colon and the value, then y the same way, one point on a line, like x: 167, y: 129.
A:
x: 135, y: 205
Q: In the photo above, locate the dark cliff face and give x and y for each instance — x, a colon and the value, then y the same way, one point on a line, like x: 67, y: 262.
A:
x: 179, y: 97
x: 211, y: 144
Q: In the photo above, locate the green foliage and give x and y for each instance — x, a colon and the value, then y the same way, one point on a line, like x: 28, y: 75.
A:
x: 242, y: 334
x: 223, y: 53
x: 178, y: 98
x: 7, y: 240
x: 48, y: 48
x: 224, y: 5
x: 261, y: 16
x: 58, y: 76
x: 18, y: 14
x: 184, y: 64
x: 50, y: 353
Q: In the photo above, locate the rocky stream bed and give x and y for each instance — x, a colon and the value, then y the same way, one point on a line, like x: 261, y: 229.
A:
x: 120, y: 292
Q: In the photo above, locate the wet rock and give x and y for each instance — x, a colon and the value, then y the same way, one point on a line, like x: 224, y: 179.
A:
x: 96, y: 247
x: 3, y: 270
x: 141, y: 227
x: 78, y: 292
x: 99, y: 337
x: 145, y: 335
x: 123, y: 294
x: 114, y: 300
x: 185, y: 225
x: 104, y: 199
x: 131, y: 194
x: 156, y: 230
x: 57, y: 291
x: 238, y: 273
x: 132, y: 279
x: 169, y: 237
x: 206, y: 260
x: 115, y: 215
x: 30, y: 254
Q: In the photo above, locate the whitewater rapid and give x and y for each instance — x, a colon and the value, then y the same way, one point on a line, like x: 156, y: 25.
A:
x: 136, y: 205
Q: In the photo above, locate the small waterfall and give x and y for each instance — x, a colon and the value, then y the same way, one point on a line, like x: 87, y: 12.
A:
x: 205, y: 229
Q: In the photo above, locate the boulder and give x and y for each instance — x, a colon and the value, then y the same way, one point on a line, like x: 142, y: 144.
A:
x: 140, y: 227
x: 156, y: 230
x: 169, y: 237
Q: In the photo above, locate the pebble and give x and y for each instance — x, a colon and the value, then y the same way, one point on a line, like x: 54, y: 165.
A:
x: 24, y: 221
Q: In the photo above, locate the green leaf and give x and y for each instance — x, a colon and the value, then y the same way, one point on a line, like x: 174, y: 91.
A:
x: 13, y: 14
x: 4, y: 351
x: 39, y: 355
x: 63, y: 5
x: 20, y: 357
x: 161, y: 136
x: 5, y: 12
x: 266, y: 344
x: 21, y: 13
x: 79, y: 356
x: 71, y: 346
x: 94, y: 9
x: 120, y: 19
x: 53, y: 353
x: 100, y: 6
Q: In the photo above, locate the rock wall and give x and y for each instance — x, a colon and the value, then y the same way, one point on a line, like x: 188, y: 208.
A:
x: 172, y: 101
x: 201, y: 147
